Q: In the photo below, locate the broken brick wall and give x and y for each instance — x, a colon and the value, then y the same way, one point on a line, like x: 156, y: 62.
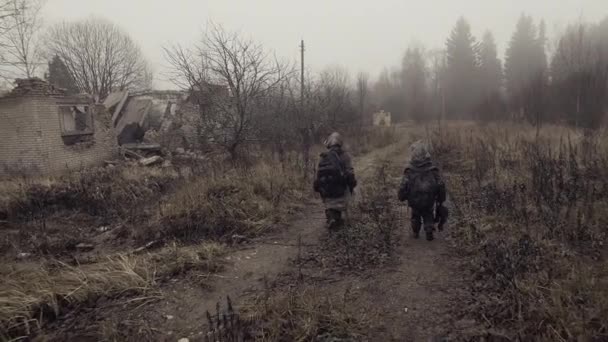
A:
x: 21, y: 137
x: 33, y: 141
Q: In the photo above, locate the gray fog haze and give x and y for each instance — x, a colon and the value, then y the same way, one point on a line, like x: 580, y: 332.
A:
x: 360, y: 35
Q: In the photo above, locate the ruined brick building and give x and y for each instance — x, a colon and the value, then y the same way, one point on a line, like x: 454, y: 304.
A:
x: 44, y: 131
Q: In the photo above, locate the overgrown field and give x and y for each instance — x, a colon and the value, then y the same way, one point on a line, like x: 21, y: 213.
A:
x: 125, y: 215
x: 529, y: 223
x: 118, y: 232
x: 532, y: 226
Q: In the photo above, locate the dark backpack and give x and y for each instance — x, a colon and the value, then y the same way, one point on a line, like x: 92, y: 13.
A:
x: 423, y: 189
x: 331, y: 177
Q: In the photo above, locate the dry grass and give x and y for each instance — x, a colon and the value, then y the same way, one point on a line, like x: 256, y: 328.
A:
x: 304, y: 311
x: 372, y: 138
x: 532, y: 214
x: 307, y: 313
x: 101, y: 191
x: 372, y: 231
x: 235, y: 201
x: 29, y: 294
x: 50, y: 216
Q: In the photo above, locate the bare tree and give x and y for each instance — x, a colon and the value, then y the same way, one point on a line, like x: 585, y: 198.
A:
x: 21, y: 56
x: 334, y: 96
x: 188, y: 69
x: 438, y: 68
x: 462, y: 91
x: 280, y: 121
x: 525, y: 70
x: 580, y: 74
x: 414, y: 82
x: 362, y: 93
x: 225, y: 60
x: 490, y: 79
x: 99, y: 55
x: 7, y: 12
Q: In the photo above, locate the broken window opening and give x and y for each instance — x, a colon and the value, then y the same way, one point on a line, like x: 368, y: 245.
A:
x: 76, y: 124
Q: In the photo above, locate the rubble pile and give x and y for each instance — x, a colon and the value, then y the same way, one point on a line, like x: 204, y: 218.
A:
x: 36, y: 87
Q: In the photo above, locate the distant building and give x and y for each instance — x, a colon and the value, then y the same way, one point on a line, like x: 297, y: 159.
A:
x: 382, y: 118
x: 44, y: 131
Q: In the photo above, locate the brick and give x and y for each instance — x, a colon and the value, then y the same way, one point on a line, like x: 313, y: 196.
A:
x: 31, y: 141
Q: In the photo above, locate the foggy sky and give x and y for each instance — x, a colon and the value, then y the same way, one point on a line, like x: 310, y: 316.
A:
x: 361, y: 35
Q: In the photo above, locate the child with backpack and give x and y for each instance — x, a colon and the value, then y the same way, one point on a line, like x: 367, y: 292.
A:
x: 335, y: 180
x: 424, y: 190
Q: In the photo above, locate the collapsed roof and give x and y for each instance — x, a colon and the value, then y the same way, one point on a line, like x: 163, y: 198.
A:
x: 133, y: 114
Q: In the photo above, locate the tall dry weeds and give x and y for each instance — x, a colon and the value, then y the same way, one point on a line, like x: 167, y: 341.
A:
x: 246, y: 201
x: 531, y: 220
x: 31, y: 294
x: 306, y: 313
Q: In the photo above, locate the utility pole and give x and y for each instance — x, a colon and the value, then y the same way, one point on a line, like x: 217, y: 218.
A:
x: 302, y: 73
x: 306, y: 129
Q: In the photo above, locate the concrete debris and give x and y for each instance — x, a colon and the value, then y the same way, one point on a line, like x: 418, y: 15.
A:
x: 143, y: 147
x: 149, y: 245
x: 130, y: 125
x: 114, y: 104
x: 180, y: 150
x: 150, y: 161
x: 130, y: 153
x: 154, y: 136
x: 183, y: 339
x: 466, y: 323
x: 35, y: 87
x: 146, y: 154
x: 236, y: 238
x: 169, y: 317
x: 136, y: 113
x: 23, y: 255
x: 84, y: 247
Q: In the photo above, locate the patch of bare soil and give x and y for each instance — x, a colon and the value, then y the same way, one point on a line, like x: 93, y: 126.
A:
x: 415, y: 296
x: 409, y: 297
x: 180, y: 308
x: 247, y: 271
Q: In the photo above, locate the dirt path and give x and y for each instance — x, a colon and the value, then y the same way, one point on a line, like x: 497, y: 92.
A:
x: 187, y: 303
x: 410, y: 298
x: 414, y: 295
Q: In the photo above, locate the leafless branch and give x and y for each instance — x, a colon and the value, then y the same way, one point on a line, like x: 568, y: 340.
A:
x: 234, y: 77
x: 100, y: 56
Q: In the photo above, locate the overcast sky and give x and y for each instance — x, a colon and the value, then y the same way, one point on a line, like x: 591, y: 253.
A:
x: 362, y: 35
